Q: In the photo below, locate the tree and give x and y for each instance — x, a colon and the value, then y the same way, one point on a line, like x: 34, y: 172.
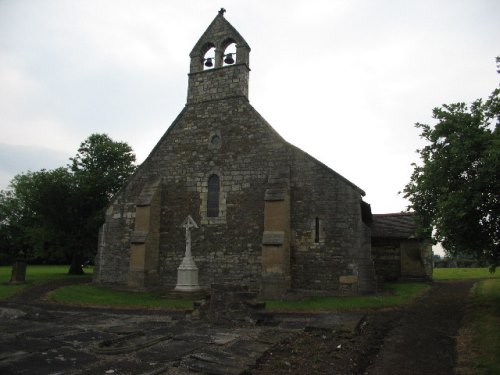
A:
x: 56, y: 214
x: 13, y: 218
x: 100, y: 168
x: 454, y: 191
x: 35, y: 213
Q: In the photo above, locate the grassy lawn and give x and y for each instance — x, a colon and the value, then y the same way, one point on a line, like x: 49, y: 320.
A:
x: 34, y: 275
x: 92, y: 295
x: 399, y: 293
x: 481, y: 332
x: 487, y: 326
x: 464, y: 273
x: 479, y: 338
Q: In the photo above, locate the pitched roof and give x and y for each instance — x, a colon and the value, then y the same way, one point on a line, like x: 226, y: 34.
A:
x: 395, y: 225
x: 217, y: 32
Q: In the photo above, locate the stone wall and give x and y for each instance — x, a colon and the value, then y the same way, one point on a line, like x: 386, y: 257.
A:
x: 320, y: 193
x: 416, y: 260
x: 402, y: 259
x: 386, y: 255
x: 218, y: 83
x: 228, y: 248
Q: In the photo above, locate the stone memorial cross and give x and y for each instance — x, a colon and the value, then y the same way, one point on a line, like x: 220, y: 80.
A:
x: 187, y: 272
x: 188, y: 224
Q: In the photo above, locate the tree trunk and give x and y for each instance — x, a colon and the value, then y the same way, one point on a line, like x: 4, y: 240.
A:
x: 76, y: 265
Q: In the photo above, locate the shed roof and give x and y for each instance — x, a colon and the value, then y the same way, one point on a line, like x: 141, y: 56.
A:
x: 394, y: 225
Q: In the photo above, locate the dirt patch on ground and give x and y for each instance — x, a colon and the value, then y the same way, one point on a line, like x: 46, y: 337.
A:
x: 328, y: 352
x: 417, y: 339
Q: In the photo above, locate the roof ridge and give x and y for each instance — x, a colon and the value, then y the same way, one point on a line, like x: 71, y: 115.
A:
x: 395, y: 214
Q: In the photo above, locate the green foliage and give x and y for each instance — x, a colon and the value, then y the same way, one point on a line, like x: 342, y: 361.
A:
x: 102, y: 166
x: 399, y: 293
x: 465, y: 261
x: 55, y: 215
x: 35, y: 213
x: 463, y: 273
x: 454, y: 191
x: 92, y: 295
x: 99, y: 169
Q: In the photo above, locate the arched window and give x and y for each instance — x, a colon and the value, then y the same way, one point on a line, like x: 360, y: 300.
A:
x: 213, y: 196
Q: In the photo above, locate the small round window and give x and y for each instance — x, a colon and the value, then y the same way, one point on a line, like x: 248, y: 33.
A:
x: 215, y: 141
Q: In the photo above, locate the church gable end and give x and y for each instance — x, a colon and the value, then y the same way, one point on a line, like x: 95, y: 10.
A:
x: 269, y: 215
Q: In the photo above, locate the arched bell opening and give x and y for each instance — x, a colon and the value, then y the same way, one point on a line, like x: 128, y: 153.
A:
x: 229, y: 55
x: 209, y: 58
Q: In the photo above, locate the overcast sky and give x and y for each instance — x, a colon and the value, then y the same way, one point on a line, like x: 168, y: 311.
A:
x: 343, y: 80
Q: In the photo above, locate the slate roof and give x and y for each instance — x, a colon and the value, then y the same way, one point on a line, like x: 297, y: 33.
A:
x: 396, y: 225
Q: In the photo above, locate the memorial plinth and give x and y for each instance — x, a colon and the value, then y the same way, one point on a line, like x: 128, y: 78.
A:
x: 187, y: 272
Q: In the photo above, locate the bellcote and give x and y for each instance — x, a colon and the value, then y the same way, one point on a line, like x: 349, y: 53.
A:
x: 219, y: 63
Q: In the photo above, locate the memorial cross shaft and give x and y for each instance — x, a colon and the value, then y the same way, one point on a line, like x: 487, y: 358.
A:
x: 188, y: 225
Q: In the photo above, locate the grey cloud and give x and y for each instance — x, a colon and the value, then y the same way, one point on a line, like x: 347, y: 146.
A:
x: 15, y: 159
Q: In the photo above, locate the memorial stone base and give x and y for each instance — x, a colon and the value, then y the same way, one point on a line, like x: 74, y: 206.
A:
x: 187, y: 276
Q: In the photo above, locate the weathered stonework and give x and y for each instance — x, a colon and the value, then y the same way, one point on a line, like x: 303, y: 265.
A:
x: 284, y: 219
x: 398, y: 252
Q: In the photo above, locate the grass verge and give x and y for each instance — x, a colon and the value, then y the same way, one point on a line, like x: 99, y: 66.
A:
x: 464, y: 273
x: 400, y: 293
x: 92, y: 295
x: 479, y: 338
x: 34, y: 275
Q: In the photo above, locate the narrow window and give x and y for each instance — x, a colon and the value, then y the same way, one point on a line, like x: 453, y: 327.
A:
x: 213, y: 196
x: 316, y: 231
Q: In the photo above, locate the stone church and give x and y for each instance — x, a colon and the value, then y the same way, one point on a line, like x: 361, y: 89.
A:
x: 269, y: 215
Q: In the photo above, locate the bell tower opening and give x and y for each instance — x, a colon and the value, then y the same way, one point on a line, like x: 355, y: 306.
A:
x: 229, y: 55
x: 219, y: 63
x: 209, y: 58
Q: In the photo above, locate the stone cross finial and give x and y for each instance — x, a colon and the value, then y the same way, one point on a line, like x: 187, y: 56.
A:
x: 189, y: 223
x: 222, y: 11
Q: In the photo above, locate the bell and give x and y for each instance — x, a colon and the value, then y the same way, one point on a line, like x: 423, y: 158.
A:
x: 209, y: 63
x: 229, y: 59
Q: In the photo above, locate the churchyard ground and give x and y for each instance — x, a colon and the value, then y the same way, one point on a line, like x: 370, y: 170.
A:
x: 35, y: 275
x: 427, y: 335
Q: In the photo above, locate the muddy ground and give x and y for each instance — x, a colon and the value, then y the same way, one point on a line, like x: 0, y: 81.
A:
x: 417, y: 339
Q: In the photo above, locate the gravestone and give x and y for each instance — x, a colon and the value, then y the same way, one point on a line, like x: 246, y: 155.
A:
x: 18, y: 275
x: 187, y: 273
